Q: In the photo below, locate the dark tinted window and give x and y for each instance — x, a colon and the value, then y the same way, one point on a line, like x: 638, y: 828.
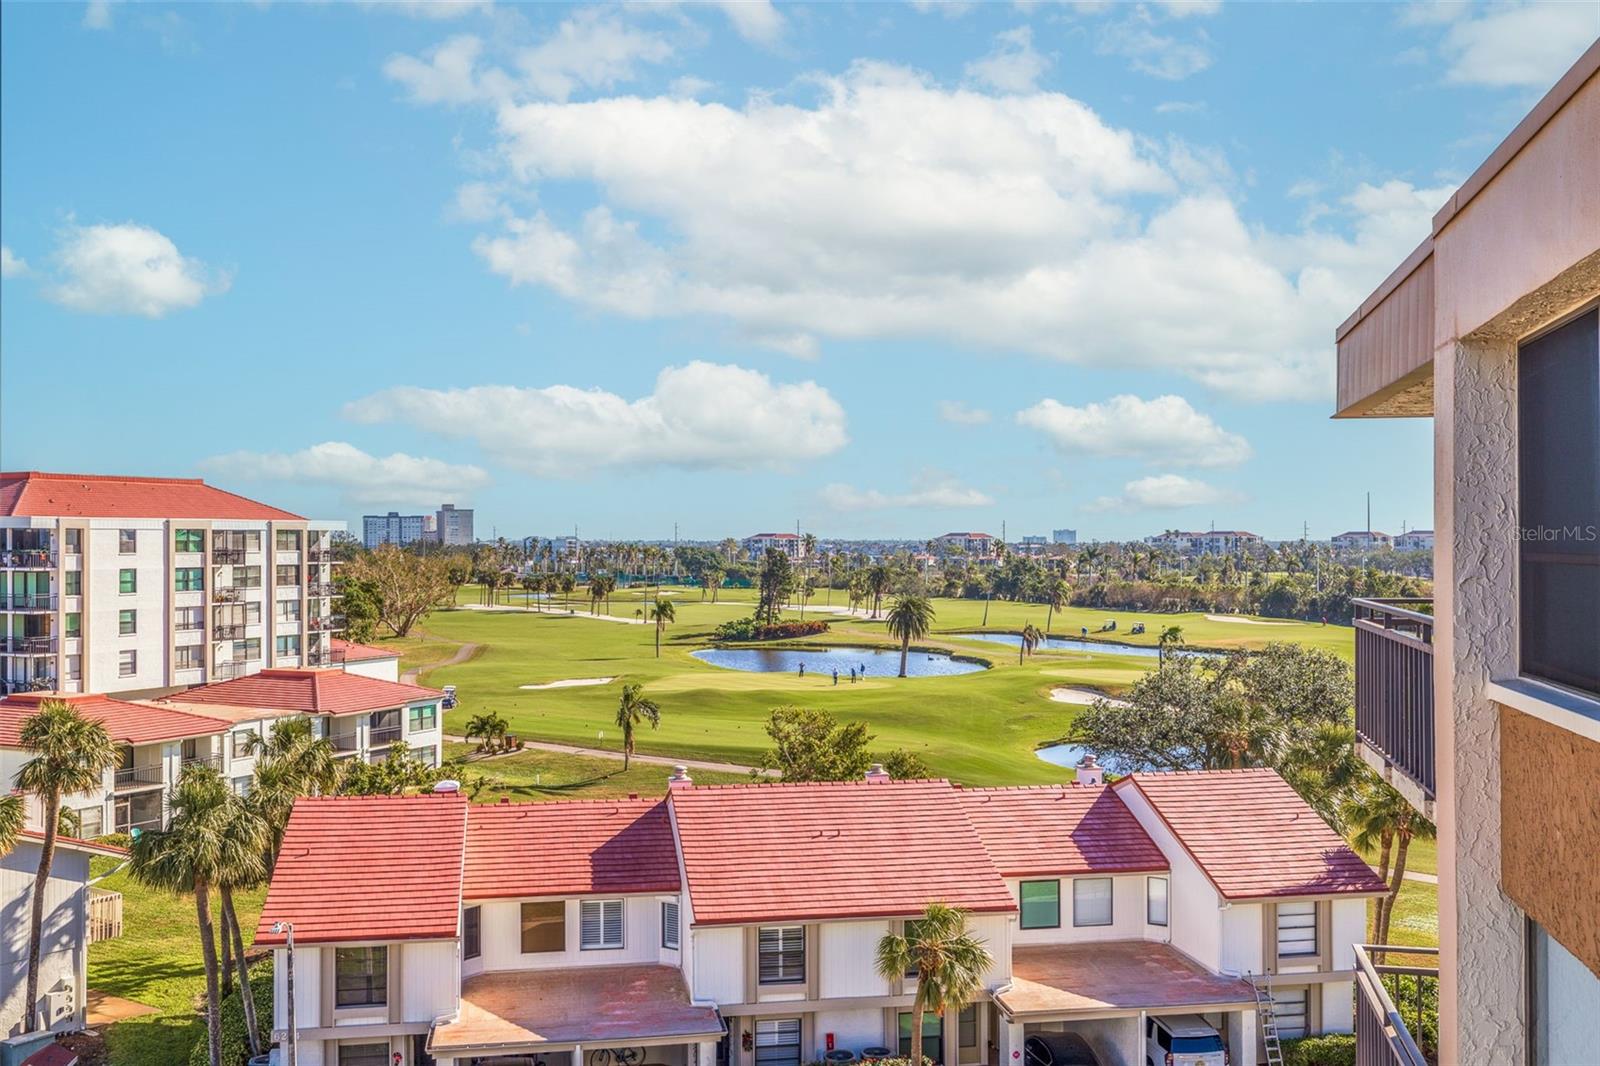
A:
x: 1195, y: 1045
x: 472, y: 932
x: 1558, y: 401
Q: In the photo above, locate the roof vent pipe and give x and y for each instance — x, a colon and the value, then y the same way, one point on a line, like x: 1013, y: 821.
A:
x: 680, y: 778
x: 1090, y: 772
x: 877, y: 775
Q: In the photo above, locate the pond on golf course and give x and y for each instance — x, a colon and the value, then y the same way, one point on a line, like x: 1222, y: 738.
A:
x: 822, y: 662
x: 1069, y: 755
x: 1072, y: 644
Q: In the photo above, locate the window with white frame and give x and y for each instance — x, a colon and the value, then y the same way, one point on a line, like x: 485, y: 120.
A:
x: 1297, y: 929
x: 364, y: 1054
x: 127, y: 541
x: 669, y: 923
x: 781, y: 954
x: 471, y: 932
x: 599, y: 924
x: 127, y: 663
x: 1091, y: 901
x: 422, y: 719
x: 1155, y: 894
x: 1289, y: 1010
x: 777, y: 1041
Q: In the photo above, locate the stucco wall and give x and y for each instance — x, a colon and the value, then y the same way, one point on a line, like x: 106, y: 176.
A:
x: 1475, y: 514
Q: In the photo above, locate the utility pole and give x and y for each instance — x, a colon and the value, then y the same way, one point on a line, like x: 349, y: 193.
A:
x: 1369, y: 514
x: 287, y: 928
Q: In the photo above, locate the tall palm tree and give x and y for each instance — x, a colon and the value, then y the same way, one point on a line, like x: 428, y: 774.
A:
x: 1245, y: 733
x: 632, y: 709
x: 568, y: 584
x: 13, y: 816
x: 1170, y: 637
x: 242, y: 866
x: 1056, y: 595
x: 879, y: 581
x: 910, y: 618
x: 949, y: 963
x: 70, y: 754
x: 661, y: 613
x: 190, y: 856
x: 291, y: 762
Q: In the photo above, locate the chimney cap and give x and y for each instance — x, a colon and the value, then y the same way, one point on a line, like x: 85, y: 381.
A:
x: 680, y: 777
x: 447, y: 785
x: 877, y: 774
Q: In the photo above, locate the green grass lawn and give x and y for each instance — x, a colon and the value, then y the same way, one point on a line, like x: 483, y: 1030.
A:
x: 979, y: 728
x: 157, y: 962
x: 548, y: 775
x: 1421, y: 857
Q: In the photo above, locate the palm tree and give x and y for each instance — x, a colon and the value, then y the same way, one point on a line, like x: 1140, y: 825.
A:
x: 13, y: 816
x: 191, y: 856
x: 487, y: 729
x: 1056, y: 595
x: 632, y: 709
x: 568, y: 584
x: 1245, y: 732
x: 597, y: 592
x: 661, y: 613
x: 244, y: 838
x: 910, y: 618
x: 949, y: 963
x: 530, y: 585
x: 290, y: 762
x: 71, y: 755
x: 1170, y: 637
x: 1380, y: 815
x: 879, y: 581
x: 1031, y: 636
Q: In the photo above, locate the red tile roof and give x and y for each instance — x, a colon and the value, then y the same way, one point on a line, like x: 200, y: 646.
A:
x: 30, y: 492
x: 569, y: 849
x: 1060, y: 830
x: 355, y: 653
x: 369, y: 868
x: 128, y: 723
x: 1252, y: 834
x: 851, y: 849
x: 311, y: 691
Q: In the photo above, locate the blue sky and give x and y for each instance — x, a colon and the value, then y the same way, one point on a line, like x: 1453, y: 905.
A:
x: 885, y: 269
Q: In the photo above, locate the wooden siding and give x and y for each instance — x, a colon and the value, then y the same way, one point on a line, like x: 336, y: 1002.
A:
x: 1386, y: 347
x: 1547, y: 780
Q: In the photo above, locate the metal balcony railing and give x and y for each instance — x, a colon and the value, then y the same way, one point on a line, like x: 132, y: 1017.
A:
x: 345, y: 742
x: 36, y: 684
x: 214, y: 760
x: 327, y: 623
x: 1394, y: 685
x: 227, y: 556
x: 319, y: 555
x: 227, y: 671
x: 1382, y: 1037
x: 320, y: 589
x: 228, y: 594
x: 30, y: 601
x: 325, y: 657
x: 132, y: 777
x: 28, y: 645
x: 227, y: 632
x: 27, y: 559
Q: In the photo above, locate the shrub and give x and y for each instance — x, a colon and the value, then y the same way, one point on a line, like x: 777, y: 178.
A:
x: 116, y: 840
x: 1333, y: 1049
x: 750, y: 629
x: 235, y: 1039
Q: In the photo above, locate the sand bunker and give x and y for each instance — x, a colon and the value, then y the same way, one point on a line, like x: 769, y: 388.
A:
x: 1068, y: 694
x: 572, y: 682
x: 1243, y: 621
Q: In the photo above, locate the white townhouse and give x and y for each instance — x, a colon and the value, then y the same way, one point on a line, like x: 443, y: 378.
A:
x: 132, y: 585
x: 1362, y: 540
x: 1414, y: 540
x: 1205, y: 542
x: 363, y: 716
x: 64, y: 950
x: 737, y: 925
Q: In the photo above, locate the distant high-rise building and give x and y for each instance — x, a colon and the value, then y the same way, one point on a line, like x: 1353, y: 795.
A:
x: 454, y: 525
x: 1064, y: 536
x: 394, y: 528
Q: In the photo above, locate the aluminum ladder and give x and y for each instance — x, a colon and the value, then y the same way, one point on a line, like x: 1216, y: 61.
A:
x: 1267, y: 1017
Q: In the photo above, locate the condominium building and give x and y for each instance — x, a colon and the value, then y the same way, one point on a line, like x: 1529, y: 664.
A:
x: 453, y: 526
x: 1205, y: 542
x: 760, y: 543
x: 1362, y: 540
x: 1063, y: 536
x: 1414, y: 540
x: 973, y: 545
x: 136, y: 584
x: 739, y: 924
x: 1483, y: 707
x: 396, y: 528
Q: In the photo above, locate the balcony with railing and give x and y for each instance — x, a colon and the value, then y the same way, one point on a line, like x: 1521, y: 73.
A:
x: 228, y: 593
x: 28, y: 645
x: 130, y: 778
x: 382, y: 736
x: 320, y: 589
x: 29, y: 601
x: 1394, y: 690
x: 345, y: 743
x: 14, y: 685
x: 231, y: 556
x: 327, y: 623
x: 227, y: 671
x: 27, y: 559
x: 1391, y: 983
x: 213, y: 760
x: 325, y: 656
x: 319, y: 555
x: 229, y: 631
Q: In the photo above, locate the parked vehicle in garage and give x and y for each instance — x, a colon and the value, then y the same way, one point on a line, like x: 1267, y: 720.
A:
x: 1183, y: 1040
x: 1058, y: 1049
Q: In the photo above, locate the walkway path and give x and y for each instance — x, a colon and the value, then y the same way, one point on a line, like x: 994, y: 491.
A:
x: 653, y: 760
x: 463, y: 653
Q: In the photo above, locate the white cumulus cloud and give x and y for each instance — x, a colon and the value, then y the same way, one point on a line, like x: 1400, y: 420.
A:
x: 11, y: 264
x: 1527, y: 44
x: 893, y: 207
x: 397, y: 479
x: 97, y: 15
x: 1165, y: 430
x: 1163, y: 492
x: 934, y: 492
x: 958, y: 413
x: 755, y: 20
x: 128, y: 269
x: 1013, y: 66
x: 699, y: 416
